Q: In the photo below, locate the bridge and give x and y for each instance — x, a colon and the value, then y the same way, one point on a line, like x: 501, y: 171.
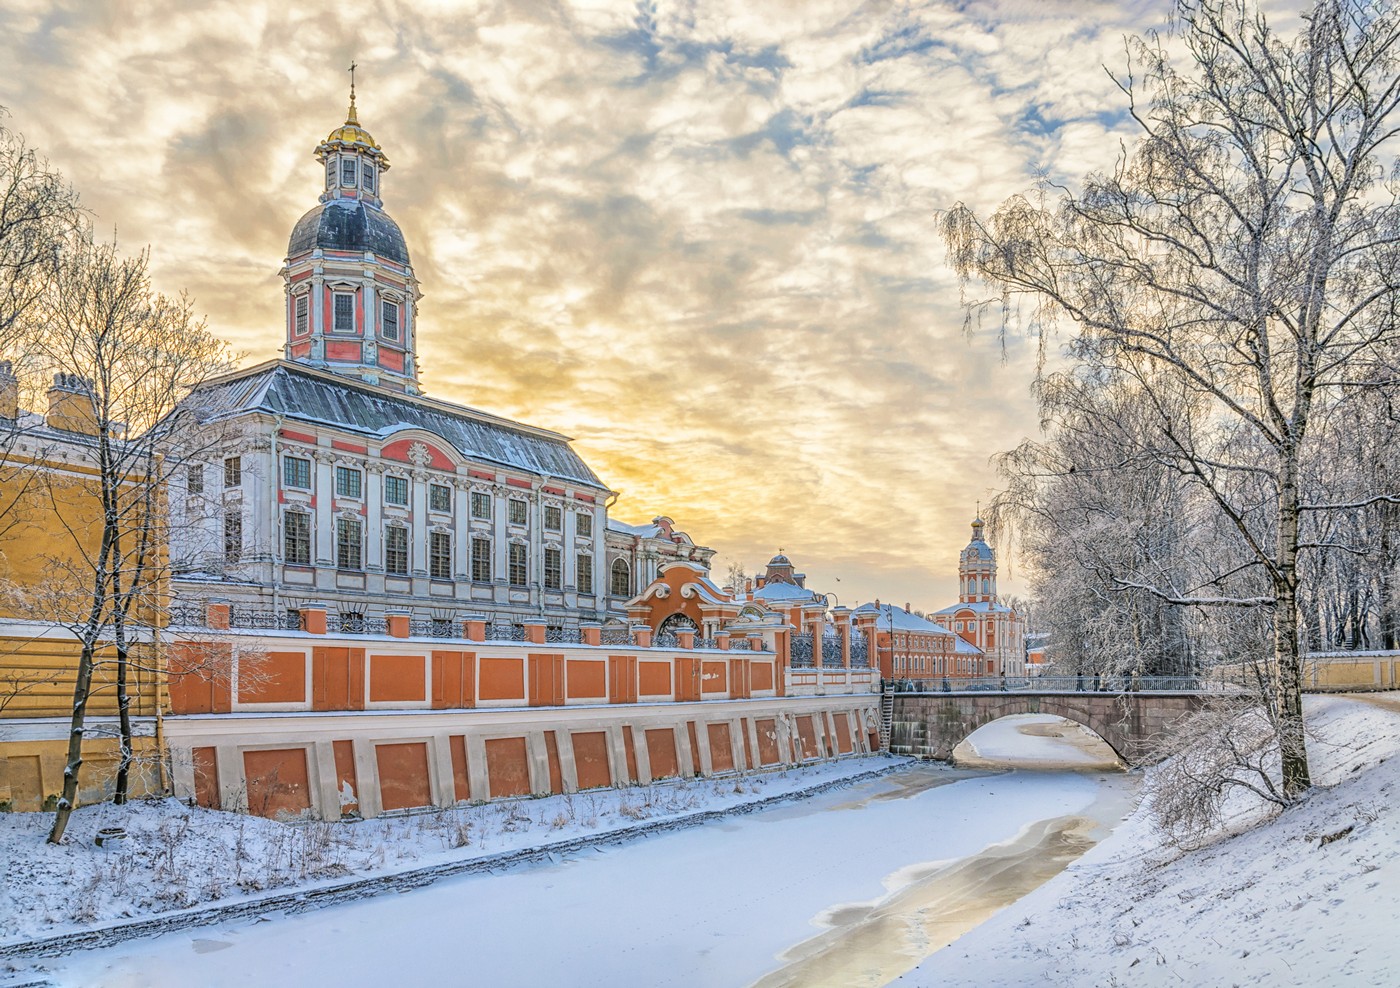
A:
x: 930, y: 723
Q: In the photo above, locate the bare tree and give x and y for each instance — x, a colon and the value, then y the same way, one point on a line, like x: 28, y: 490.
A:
x: 128, y: 357
x: 1243, y: 252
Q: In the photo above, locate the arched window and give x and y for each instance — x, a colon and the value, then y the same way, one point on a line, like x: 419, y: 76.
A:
x: 986, y: 585
x: 621, y: 585
x: 674, y: 623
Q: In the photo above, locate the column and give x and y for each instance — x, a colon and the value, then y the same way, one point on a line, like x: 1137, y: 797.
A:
x: 374, y: 520
x: 418, y: 533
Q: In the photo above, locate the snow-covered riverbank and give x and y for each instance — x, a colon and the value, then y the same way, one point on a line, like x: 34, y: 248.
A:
x: 1277, y: 905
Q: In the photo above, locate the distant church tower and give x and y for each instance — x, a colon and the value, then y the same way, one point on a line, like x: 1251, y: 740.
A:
x: 351, y: 293
x: 977, y: 569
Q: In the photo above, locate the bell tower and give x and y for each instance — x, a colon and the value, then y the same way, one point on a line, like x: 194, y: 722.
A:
x: 352, y: 297
x: 977, y: 569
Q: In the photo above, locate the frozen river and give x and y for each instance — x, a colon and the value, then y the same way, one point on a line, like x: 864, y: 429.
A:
x: 853, y: 887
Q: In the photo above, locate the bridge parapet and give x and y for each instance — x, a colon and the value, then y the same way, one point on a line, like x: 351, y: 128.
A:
x: 932, y: 724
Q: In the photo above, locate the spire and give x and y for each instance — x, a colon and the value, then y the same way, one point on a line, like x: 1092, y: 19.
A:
x: 351, y: 117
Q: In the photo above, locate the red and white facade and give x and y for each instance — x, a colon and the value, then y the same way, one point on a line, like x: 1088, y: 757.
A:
x: 979, y: 617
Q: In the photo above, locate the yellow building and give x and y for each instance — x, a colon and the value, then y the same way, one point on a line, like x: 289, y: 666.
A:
x: 49, y: 522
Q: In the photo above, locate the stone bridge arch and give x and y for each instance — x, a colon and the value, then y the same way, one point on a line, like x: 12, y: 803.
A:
x: 931, y: 725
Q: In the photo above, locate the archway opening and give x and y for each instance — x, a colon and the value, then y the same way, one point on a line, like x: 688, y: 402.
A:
x: 1036, y: 741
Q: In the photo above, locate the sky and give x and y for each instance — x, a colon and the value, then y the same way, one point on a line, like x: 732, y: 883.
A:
x: 700, y: 238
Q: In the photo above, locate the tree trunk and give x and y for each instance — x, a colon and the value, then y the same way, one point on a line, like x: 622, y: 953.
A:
x: 124, y: 720
x: 82, y: 687
x: 1288, y: 666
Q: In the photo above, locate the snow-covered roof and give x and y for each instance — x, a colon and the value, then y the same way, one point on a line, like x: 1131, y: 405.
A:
x: 964, y: 647
x: 903, y: 620
x: 782, y: 591
x: 641, y: 531
x: 299, y: 394
x: 977, y: 607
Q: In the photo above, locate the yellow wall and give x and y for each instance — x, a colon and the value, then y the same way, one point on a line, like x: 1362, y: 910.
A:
x: 46, y: 508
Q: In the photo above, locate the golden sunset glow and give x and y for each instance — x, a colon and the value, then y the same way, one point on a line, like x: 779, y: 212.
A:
x: 699, y: 238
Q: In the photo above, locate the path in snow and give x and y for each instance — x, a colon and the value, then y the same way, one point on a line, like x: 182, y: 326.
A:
x: 718, y: 905
x: 1038, y: 741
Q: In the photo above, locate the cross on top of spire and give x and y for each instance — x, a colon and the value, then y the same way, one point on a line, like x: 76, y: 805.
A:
x: 352, y: 117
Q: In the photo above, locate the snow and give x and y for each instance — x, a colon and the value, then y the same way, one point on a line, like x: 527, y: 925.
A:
x: 759, y: 896
x: 711, y: 905
x: 177, y: 856
x: 1268, y: 906
x: 1035, y: 741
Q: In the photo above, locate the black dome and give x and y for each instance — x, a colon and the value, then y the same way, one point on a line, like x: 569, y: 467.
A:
x: 348, y: 224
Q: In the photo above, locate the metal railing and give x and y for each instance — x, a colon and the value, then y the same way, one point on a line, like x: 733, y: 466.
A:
x: 434, y: 628
x: 505, y: 632
x: 563, y: 636
x: 1055, y: 684
x: 800, y: 650
x: 739, y: 645
x: 860, y: 655
x: 615, y: 637
x: 666, y: 640
x: 831, y: 652
x: 706, y: 643
x: 187, y: 615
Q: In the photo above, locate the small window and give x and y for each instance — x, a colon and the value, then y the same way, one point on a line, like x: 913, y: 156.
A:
x: 233, y: 471
x: 481, y: 505
x: 553, y: 518
x: 585, y: 572
x: 344, y: 312
x: 389, y: 320
x: 347, y: 171
x: 369, y: 177
x: 296, y: 538
x: 553, y: 569
x: 348, y: 542
x: 396, y: 550
x: 481, y: 560
x: 518, y: 512
x: 396, y: 490
x: 439, y: 497
x: 584, y: 523
x: 519, y: 569
x: 302, y: 308
x: 296, y: 472
x: 330, y: 172
x: 348, y: 482
x: 194, y: 479
x: 440, y: 555
x: 233, y: 535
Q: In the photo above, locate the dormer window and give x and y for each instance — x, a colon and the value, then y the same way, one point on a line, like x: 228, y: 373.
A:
x: 389, y: 320
x: 344, y: 312
x: 347, y: 171
x: 330, y: 172
x: 369, y: 177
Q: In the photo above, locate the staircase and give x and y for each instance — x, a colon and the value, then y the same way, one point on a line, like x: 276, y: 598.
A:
x: 886, y: 716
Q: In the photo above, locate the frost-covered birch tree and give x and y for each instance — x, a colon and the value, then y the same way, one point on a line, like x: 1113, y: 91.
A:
x: 1243, y: 252
x: 131, y: 355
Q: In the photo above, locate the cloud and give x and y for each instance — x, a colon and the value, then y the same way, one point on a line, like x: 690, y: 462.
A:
x: 699, y: 237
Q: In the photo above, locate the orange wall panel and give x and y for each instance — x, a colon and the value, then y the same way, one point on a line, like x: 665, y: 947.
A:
x: 199, y: 678
x: 622, y: 678
x: 808, y: 735
x: 767, y: 742
x: 661, y: 749
x: 403, y: 775
x: 206, y: 778
x: 721, y: 752
x: 276, y: 782
x: 397, y: 678
x: 277, y: 677
x: 588, y: 680
x: 748, y: 747
x: 713, y: 678
x: 502, y: 679
x: 551, y: 750
x: 629, y: 746
x: 655, y: 678
x: 461, y: 782
x: 454, y: 680
x: 695, y: 767
x: 687, y: 680
x: 337, y: 678
x: 761, y: 675
x: 843, y: 733
x: 591, y: 759
x: 507, y: 767
x: 546, y: 680
x: 345, y: 775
